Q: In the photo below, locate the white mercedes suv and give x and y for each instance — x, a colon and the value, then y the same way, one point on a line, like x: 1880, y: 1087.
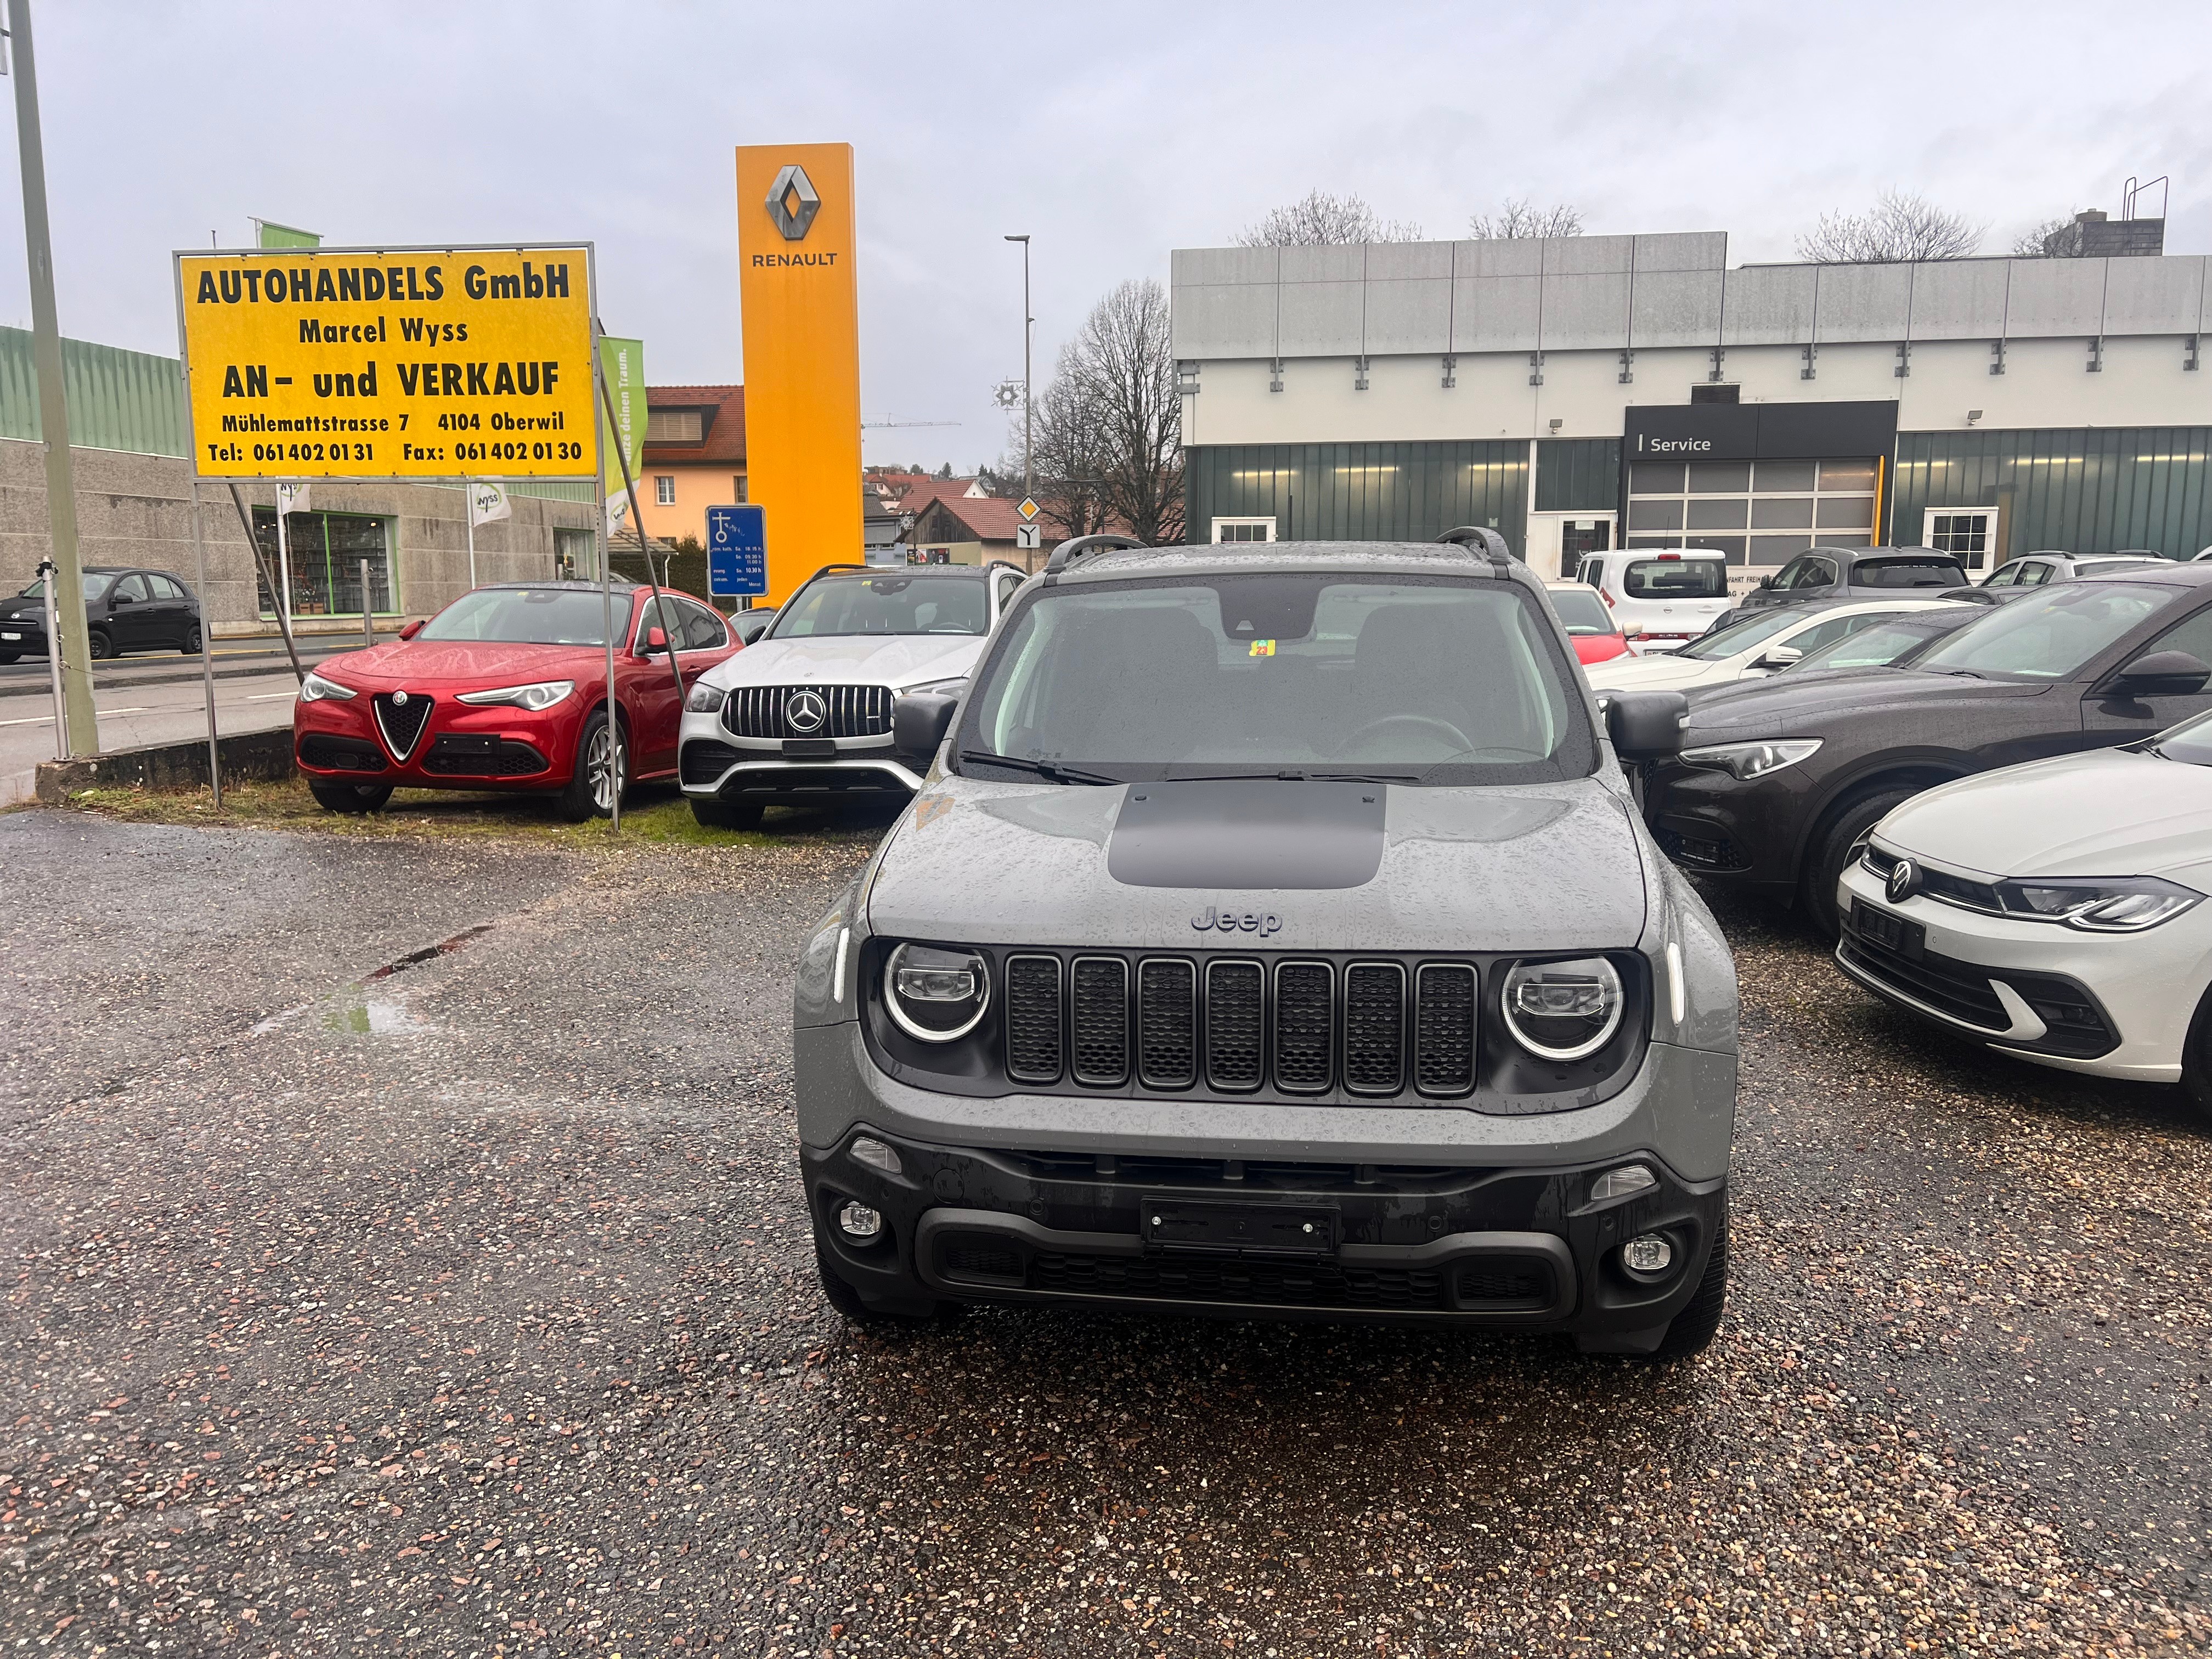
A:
x: 803, y: 716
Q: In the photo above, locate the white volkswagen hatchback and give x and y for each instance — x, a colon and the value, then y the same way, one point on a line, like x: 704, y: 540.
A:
x: 2054, y: 910
x: 804, y: 715
x: 1762, y: 642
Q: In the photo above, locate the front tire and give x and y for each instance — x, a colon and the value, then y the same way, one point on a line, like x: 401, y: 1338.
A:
x: 590, y: 791
x: 1694, y: 1327
x: 350, y: 797
x: 727, y: 814
x: 98, y: 645
x: 2197, y: 1058
x: 1832, y: 853
x: 190, y: 647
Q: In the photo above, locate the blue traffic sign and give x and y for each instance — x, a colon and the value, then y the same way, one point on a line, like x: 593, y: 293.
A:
x: 736, y: 552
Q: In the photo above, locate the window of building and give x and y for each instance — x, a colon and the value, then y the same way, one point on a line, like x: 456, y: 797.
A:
x: 738, y: 483
x: 572, y: 554
x: 1761, y: 513
x: 324, y: 551
x: 1972, y: 535
x: 674, y: 426
x: 1244, y: 530
x: 664, y: 490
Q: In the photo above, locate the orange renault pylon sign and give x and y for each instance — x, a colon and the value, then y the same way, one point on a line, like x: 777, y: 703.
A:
x: 390, y: 363
x: 802, y: 320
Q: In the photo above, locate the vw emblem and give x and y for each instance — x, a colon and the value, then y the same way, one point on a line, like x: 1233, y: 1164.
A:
x: 1904, y: 881
x: 399, y: 700
x: 805, y: 712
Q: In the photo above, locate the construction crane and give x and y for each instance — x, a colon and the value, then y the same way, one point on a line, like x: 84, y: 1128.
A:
x: 870, y: 426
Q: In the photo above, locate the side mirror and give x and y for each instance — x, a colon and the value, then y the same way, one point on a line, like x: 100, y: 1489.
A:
x: 656, y: 639
x: 412, y: 628
x: 2168, y: 673
x: 1766, y: 582
x: 918, y: 723
x: 1646, y: 725
x: 1778, y: 656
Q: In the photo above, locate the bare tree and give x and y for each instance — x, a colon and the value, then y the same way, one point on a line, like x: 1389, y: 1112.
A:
x: 1109, y: 426
x: 1515, y: 220
x: 2054, y: 239
x: 1897, y: 229
x: 1322, y: 219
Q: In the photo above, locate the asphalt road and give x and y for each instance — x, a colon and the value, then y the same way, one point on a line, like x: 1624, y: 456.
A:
x: 469, y: 1310
x: 145, y: 709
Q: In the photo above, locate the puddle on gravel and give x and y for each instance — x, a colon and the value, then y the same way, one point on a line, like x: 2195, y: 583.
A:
x: 353, y: 1008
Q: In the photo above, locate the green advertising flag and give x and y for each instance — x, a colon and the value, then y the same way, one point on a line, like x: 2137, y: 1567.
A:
x: 622, y: 362
x: 269, y: 233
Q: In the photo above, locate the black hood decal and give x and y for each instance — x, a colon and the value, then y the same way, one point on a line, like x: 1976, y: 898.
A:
x: 1248, y: 834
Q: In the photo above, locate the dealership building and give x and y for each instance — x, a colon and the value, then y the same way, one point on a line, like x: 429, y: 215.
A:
x: 1577, y: 394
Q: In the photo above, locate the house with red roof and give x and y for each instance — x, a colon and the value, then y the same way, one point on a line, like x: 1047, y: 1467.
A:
x: 693, y: 458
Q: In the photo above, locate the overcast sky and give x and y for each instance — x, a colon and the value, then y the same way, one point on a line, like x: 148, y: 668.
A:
x: 1111, y: 133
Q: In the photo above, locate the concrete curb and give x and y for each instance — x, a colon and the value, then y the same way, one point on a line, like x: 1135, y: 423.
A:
x: 247, y: 757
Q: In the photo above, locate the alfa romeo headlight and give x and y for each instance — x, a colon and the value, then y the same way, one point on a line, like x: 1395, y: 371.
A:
x: 1746, y: 761
x: 543, y: 695
x: 936, y: 995
x: 316, y: 689
x: 2120, y: 904
x: 705, y: 699
x: 1563, y: 1010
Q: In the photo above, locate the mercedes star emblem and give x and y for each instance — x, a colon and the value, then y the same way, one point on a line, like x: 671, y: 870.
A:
x: 1904, y: 881
x: 805, y: 712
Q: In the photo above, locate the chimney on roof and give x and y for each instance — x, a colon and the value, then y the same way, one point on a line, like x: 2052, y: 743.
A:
x: 2094, y: 236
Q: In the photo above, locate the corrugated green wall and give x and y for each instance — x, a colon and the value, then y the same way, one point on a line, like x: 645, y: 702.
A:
x: 1359, y: 492
x: 2077, y: 492
x: 1577, y: 474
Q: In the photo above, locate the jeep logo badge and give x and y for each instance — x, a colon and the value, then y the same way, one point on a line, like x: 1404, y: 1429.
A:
x: 1230, y: 921
x: 1904, y: 881
x: 805, y: 712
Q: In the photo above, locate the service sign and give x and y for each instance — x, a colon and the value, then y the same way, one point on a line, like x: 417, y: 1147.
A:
x: 410, y: 363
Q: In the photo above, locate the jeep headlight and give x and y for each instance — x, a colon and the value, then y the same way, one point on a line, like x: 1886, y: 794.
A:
x: 1746, y: 761
x: 705, y: 699
x: 936, y: 995
x: 2119, y: 904
x: 1562, y: 1010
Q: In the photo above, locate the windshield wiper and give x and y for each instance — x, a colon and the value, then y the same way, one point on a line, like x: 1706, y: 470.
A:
x: 1293, y: 775
x: 1051, y: 771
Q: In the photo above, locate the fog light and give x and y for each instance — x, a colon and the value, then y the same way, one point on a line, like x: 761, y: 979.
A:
x: 858, y: 1221
x: 1649, y: 1256
x: 875, y: 1155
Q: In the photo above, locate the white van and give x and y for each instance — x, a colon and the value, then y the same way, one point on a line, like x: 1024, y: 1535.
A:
x: 1663, y: 597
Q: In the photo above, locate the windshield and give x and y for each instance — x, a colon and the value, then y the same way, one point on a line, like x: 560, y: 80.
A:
x: 1922, y: 572
x: 2190, y: 742
x: 1581, y: 611
x: 2098, y: 567
x: 93, y: 582
x: 528, y: 616
x: 1740, y: 636
x: 2050, y: 634
x: 1434, y: 681
x: 1675, y: 579
x: 1875, y: 646
x: 886, y: 604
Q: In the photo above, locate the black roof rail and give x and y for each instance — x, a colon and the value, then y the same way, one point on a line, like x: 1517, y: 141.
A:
x: 1083, y: 546
x: 1487, y: 540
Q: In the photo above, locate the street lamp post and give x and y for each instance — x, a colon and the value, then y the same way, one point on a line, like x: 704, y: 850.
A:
x: 1028, y: 328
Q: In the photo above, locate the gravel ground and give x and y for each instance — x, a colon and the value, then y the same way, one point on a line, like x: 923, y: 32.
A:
x: 469, y: 1310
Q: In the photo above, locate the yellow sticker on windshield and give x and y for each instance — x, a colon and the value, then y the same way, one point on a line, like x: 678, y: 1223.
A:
x: 1263, y: 647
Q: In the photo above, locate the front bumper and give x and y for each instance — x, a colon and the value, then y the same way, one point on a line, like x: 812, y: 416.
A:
x: 1713, y: 824
x: 1516, y: 1248
x: 23, y: 639
x: 462, y: 746
x: 2035, y: 989
x: 712, y: 765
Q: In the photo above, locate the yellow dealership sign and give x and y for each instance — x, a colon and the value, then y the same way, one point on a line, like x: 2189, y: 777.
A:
x: 795, y: 279
x: 400, y: 364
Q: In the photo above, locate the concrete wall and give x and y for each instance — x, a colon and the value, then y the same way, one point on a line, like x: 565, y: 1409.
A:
x: 132, y: 509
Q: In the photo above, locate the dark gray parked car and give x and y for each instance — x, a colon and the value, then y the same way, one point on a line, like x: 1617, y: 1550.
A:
x: 1276, y: 935
x: 1854, y: 573
x: 125, y: 610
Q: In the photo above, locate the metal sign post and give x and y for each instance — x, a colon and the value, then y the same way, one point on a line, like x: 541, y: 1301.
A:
x: 207, y: 649
x: 47, y: 575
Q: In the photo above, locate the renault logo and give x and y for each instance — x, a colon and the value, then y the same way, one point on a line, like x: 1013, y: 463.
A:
x: 1904, y: 881
x: 805, y: 712
x: 792, y: 202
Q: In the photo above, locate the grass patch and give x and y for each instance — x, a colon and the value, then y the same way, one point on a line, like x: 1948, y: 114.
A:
x: 651, y: 816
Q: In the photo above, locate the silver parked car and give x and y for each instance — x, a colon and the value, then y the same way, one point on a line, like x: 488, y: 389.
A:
x: 1276, y: 935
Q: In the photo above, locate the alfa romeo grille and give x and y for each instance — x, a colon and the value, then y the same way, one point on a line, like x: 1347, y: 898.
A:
x: 401, y: 723
x: 846, y: 711
x: 1306, y: 1027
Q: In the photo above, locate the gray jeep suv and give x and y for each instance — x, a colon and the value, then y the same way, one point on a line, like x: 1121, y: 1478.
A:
x: 1276, y: 935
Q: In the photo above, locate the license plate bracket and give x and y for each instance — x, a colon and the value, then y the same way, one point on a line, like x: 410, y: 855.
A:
x: 1891, y: 932
x: 1243, y: 1227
